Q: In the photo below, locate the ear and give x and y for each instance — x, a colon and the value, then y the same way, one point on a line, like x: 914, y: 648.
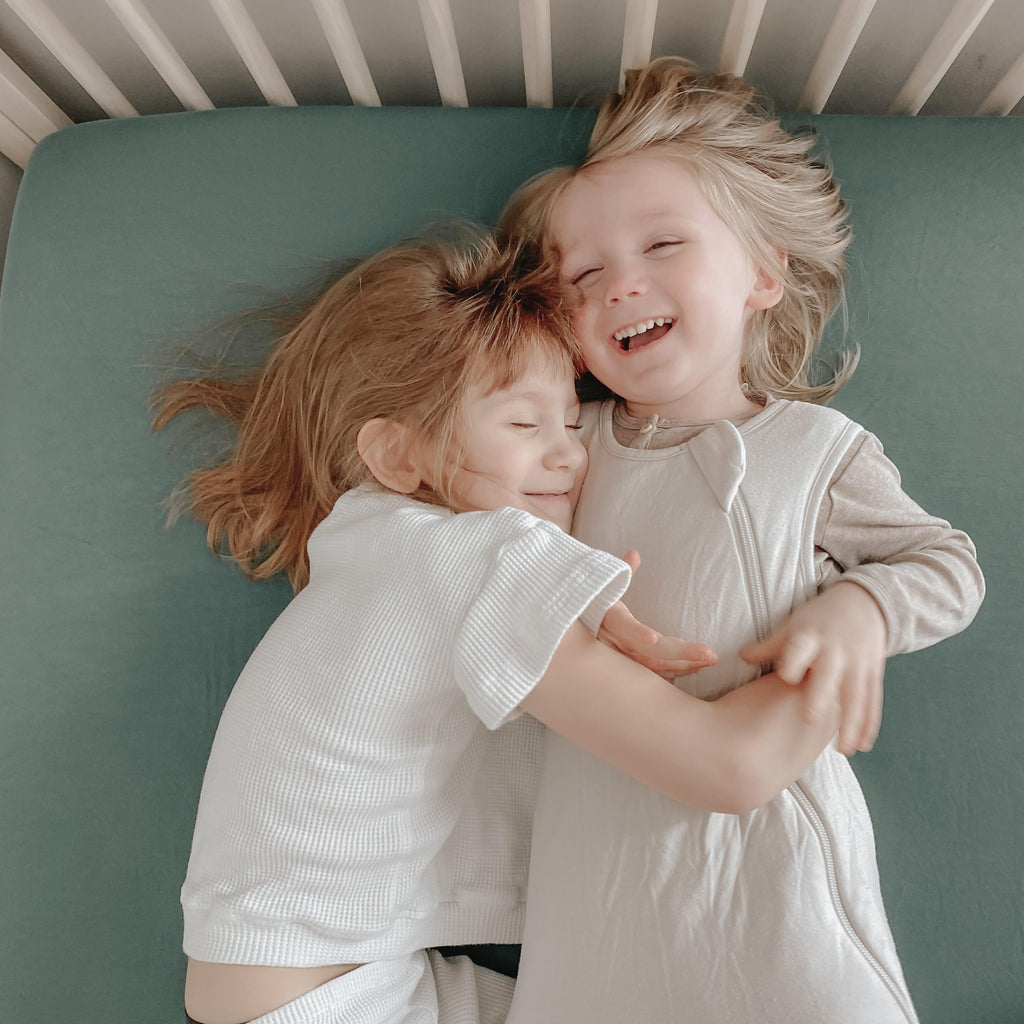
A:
x: 767, y: 290
x: 390, y: 450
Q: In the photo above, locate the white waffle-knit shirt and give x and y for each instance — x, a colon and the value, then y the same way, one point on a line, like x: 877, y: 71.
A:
x: 364, y: 796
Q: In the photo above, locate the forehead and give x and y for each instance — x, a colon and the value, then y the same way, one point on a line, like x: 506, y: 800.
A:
x: 543, y: 372
x: 638, y: 188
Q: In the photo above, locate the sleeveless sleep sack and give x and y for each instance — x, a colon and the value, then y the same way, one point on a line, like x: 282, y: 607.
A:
x: 641, y: 909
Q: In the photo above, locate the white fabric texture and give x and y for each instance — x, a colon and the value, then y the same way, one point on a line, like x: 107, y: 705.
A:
x: 641, y: 909
x: 422, y: 988
x: 364, y: 797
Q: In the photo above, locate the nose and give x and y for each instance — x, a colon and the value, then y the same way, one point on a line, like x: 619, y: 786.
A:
x: 566, y: 451
x: 623, y: 281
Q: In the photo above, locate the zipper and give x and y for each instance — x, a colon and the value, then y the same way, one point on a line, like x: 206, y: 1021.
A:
x: 762, y: 628
x: 751, y: 570
x: 811, y: 812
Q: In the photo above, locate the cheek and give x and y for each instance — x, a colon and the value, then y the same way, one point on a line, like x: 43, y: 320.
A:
x: 586, y: 334
x: 591, y: 355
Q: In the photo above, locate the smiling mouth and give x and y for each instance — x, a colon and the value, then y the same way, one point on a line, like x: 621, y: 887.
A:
x: 638, y: 336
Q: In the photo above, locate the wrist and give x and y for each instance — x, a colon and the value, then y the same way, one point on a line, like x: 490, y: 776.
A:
x: 866, y: 605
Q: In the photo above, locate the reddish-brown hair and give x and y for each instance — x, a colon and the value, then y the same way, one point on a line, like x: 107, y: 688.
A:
x: 400, y: 337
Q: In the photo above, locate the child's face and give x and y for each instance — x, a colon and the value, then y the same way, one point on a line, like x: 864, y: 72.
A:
x: 523, y: 446
x: 646, y: 250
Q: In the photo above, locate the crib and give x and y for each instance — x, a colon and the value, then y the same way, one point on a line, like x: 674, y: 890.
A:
x: 277, y: 138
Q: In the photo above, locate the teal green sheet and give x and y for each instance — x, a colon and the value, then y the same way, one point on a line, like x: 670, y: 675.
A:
x: 120, y: 640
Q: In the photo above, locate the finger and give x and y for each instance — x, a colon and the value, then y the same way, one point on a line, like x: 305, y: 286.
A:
x: 673, y: 669
x: 800, y: 651
x: 671, y: 657
x: 855, y: 700
x: 632, y: 559
x: 673, y: 649
x: 825, y: 676
x: 621, y: 630
x: 873, y: 715
x: 764, y: 651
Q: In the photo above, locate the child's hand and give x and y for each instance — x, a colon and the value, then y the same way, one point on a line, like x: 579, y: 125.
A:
x: 669, y: 656
x: 840, y: 638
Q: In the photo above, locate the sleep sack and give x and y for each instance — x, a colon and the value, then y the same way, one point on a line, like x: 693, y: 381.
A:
x: 644, y: 910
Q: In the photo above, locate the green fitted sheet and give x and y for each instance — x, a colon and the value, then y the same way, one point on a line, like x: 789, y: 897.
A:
x: 121, y: 640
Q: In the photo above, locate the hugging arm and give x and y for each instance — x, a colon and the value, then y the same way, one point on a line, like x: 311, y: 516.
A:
x: 728, y: 755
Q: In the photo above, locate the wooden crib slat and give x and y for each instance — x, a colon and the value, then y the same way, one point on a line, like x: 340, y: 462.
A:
x: 535, y: 28
x: 14, y: 143
x: 951, y: 38
x: 254, y: 52
x: 63, y: 45
x: 344, y: 43
x: 638, y: 36
x: 25, y: 104
x: 835, y: 51
x: 444, y: 51
x: 1008, y: 92
x: 744, y: 22
x: 141, y: 26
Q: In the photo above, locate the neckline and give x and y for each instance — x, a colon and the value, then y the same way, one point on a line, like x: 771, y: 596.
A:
x: 611, y: 410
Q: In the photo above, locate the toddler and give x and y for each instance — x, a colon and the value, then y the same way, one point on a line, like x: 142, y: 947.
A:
x: 704, y: 252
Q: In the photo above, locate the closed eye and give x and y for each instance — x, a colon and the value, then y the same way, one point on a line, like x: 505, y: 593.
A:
x: 664, y: 243
x: 525, y: 426
x: 583, y: 275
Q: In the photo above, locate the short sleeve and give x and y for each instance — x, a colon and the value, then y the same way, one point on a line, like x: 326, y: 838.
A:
x: 538, y: 583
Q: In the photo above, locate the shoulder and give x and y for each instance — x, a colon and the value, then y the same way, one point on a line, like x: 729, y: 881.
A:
x: 378, y: 519
x: 812, y: 414
x: 384, y: 531
x: 803, y: 426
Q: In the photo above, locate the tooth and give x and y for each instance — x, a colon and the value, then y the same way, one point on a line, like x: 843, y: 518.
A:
x: 660, y: 321
x: 650, y: 325
x: 632, y: 332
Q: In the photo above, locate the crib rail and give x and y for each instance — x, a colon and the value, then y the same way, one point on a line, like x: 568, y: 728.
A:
x: 96, y: 42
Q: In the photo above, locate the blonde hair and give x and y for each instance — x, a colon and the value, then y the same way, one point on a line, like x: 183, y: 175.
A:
x: 400, y: 337
x: 783, y: 207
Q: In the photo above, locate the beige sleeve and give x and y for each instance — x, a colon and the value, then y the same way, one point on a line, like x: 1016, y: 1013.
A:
x: 922, y: 572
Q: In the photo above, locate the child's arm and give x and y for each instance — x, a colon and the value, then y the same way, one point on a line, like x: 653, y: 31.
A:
x: 729, y: 755
x: 918, y: 582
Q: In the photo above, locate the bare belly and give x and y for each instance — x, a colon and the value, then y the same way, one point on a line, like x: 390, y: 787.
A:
x: 236, y: 993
